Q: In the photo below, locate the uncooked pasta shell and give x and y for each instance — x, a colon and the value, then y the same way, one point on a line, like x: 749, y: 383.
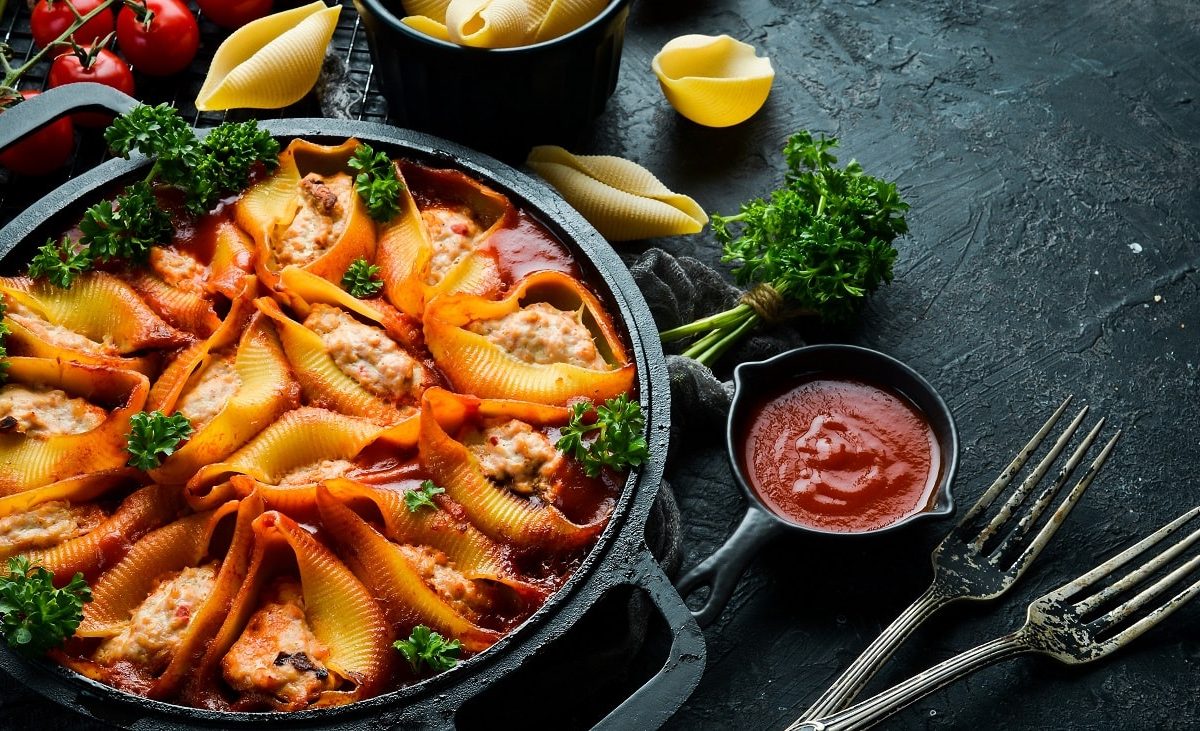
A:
x: 270, y: 62
x: 713, y: 80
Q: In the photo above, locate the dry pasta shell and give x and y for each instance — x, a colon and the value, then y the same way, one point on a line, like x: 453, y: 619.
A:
x: 564, y: 16
x: 270, y: 62
x: 494, y: 23
x: 622, y: 199
x: 713, y: 80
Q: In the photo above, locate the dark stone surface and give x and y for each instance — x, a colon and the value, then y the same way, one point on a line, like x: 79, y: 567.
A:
x: 1037, y: 142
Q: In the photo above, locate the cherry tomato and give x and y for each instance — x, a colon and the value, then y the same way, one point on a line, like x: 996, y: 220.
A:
x: 164, y: 46
x: 51, y: 18
x: 103, y: 67
x: 234, y: 13
x: 42, y: 152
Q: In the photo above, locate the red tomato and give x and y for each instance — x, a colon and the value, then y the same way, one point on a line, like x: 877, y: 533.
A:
x: 106, y: 68
x: 51, y: 18
x: 234, y: 13
x: 166, y: 45
x: 42, y: 152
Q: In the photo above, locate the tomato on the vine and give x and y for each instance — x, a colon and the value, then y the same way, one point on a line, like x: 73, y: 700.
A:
x: 98, y: 65
x: 42, y: 152
x: 160, y: 42
x: 51, y: 18
x: 234, y: 13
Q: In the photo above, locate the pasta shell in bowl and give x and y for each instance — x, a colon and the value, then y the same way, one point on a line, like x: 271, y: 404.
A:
x: 713, y: 80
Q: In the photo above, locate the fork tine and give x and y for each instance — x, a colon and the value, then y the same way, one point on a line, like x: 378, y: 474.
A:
x: 1148, y: 595
x: 1135, y: 630
x: 1073, y: 587
x: 1135, y: 577
x: 1064, y: 509
x: 1014, y: 501
x: 1015, y: 466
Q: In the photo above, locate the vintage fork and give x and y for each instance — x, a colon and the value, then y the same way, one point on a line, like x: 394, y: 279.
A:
x: 1072, y: 632
x: 966, y: 565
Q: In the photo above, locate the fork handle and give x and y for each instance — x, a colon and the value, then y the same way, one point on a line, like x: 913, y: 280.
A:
x: 873, y: 710
x: 851, y: 682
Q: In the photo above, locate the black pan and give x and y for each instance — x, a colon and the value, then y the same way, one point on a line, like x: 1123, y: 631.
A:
x: 620, y: 558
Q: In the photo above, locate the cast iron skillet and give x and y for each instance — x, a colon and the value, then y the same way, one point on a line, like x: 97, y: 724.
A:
x: 619, y: 559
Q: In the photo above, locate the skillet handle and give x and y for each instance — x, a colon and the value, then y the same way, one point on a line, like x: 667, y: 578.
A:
x: 721, y: 571
x: 652, y: 704
x: 33, y: 114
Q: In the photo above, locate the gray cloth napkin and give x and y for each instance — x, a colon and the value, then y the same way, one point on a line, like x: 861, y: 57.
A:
x: 680, y: 290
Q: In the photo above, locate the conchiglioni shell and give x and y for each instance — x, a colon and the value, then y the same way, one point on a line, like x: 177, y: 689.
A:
x: 404, y: 251
x: 174, y: 378
x: 108, y: 543
x: 27, y: 462
x: 406, y: 598
x: 232, y: 260
x: 74, y: 490
x: 99, y: 307
x: 622, y: 199
x: 185, y: 309
x: 270, y: 204
x: 270, y: 62
x: 435, y: 9
x: 267, y: 389
x: 564, y: 16
x: 298, y: 438
x: 493, y: 23
x: 496, y: 511
x: 304, y: 289
x: 429, y: 26
x: 713, y: 80
x: 324, y: 383
x: 477, y: 366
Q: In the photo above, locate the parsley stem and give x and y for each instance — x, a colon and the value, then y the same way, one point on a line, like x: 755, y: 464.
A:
x: 733, y: 315
x: 718, y: 349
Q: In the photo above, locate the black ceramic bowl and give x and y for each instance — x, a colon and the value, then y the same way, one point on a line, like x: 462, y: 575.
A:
x: 499, y: 100
x: 752, y: 381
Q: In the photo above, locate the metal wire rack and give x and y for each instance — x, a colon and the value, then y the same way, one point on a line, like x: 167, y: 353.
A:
x: 349, y: 44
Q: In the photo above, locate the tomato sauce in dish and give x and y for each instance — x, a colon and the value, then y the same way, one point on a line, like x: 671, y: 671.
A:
x: 841, y: 455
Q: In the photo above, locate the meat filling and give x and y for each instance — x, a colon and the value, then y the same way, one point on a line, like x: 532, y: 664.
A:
x: 322, y: 207
x: 57, y: 334
x: 452, y: 234
x: 278, y: 655
x: 435, y: 568
x: 317, y: 471
x: 541, y: 333
x: 210, y: 392
x: 159, y: 624
x: 48, y: 524
x: 46, y: 412
x: 516, y: 455
x: 178, y: 270
x: 367, y: 354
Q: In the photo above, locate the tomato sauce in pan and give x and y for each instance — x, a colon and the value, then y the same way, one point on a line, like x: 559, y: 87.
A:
x: 841, y: 455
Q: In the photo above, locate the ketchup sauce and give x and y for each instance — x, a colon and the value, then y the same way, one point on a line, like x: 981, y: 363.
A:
x: 841, y: 455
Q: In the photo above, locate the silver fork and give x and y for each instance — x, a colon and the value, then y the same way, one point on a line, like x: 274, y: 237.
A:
x: 1072, y: 632
x: 970, y: 563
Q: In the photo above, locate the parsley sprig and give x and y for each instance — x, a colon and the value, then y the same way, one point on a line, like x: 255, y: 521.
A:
x: 155, y: 435
x: 60, y: 262
x: 619, y: 441
x: 422, y: 497
x: 823, y: 241
x: 424, y: 646
x: 203, y: 170
x: 35, y: 616
x: 377, y: 183
x: 362, y: 279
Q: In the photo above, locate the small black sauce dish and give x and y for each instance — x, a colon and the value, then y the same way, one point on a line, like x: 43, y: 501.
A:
x: 499, y: 100
x: 755, y: 381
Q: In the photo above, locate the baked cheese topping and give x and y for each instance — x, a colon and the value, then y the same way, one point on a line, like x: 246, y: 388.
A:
x: 541, y: 333
x: 516, y: 455
x: 452, y: 234
x: 278, y: 654
x: 322, y: 210
x: 366, y: 354
x: 210, y: 391
x: 46, y: 412
x: 158, y: 625
x: 48, y: 524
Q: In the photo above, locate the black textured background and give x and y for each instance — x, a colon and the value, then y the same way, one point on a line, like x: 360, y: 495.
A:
x: 1037, y: 141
